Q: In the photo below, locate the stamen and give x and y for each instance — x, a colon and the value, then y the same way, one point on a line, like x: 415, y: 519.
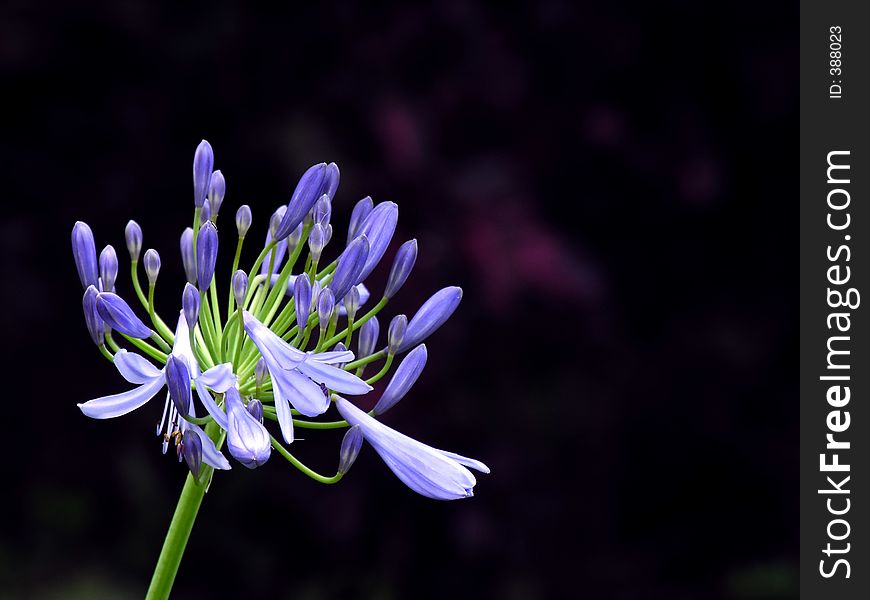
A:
x: 163, y: 418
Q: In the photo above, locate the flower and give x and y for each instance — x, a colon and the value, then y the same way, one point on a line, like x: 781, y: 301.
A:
x: 428, y: 471
x: 247, y: 439
x: 84, y: 253
x: 404, y: 377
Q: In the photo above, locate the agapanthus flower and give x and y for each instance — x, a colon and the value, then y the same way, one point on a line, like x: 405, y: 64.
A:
x: 275, y: 356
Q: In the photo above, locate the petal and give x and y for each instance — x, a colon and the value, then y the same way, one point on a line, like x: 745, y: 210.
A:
x: 305, y: 395
x: 332, y: 357
x: 285, y: 417
x: 210, y: 454
x: 220, y: 378
x: 271, y: 346
x: 181, y: 346
x: 135, y: 368
x: 468, y: 462
x: 120, y: 404
x: 210, y: 405
x: 334, y: 378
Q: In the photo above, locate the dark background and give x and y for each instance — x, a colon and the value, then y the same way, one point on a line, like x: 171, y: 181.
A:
x: 610, y: 184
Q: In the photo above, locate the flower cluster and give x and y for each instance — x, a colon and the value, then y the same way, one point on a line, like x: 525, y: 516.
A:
x: 279, y: 348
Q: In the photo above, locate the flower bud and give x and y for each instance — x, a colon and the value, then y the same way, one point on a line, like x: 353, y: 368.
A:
x: 118, y: 315
x: 187, y: 255
x: 178, y: 383
x: 217, y: 189
x: 402, y: 266
x: 361, y: 210
x: 206, y: 255
x: 205, y: 213
x: 108, y: 268
x: 368, y: 337
x: 306, y: 194
x: 243, y: 220
x: 432, y: 315
x: 92, y: 319
x: 151, y: 262
x: 404, y: 377
x: 203, y: 163
x: 247, y: 439
x: 378, y: 228
x: 351, y: 302
x: 322, y: 211
x: 295, y: 236
x: 260, y: 372
x: 240, y: 286
x: 275, y: 221
x: 325, y: 307
x: 191, y: 449
x: 302, y: 299
x: 255, y: 407
x: 350, y: 266
x: 133, y: 237
x: 316, y: 242
x: 350, y: 447
x: 85, y: 254
x: 190, y: 304
x: 331, y: 178
x: 396, y: 333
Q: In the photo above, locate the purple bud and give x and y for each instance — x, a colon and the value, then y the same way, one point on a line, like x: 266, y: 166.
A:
x: 217, y: 189
x: 275, y: 222
x: 340, y: 347
x: 295, y: 236
x: 108, y: 268
x: 396, y: 333
x: 361, y: 210
x: 260, y: 372
x: 350, y: 266
x: 151, y: 262
x: 191, y: 449
x: 203, y: 163
x: 187, y: 255
x: 247, y: 439
x: 240, y: 286
x: 206, y: 255
x: 316, y: 242
x: 92, y: 319
x: 255, y: 407
x: 432, y: 315
x: 331, y: 178
x: 133, y: 237
x: 352, y: 302
x: 302, y: 299
x: 178, y: 383
x: 304, y: 197
x: 243, y: 220
x: 325, y: 307
x: 119, y: 316
x: 402, y: 266
x: 350, y: 447
x: 190, y: 304
x: 378, y: 228
x: 404, y: 377
x: 368, y: 337
x: 205, y: 213
x: 322, y: 211
x: 85, y: 254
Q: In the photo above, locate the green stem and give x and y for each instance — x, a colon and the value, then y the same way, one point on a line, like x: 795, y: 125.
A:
x: 176, y: 539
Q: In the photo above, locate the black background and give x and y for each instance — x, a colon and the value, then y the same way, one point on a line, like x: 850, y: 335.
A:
x: 610, y: 184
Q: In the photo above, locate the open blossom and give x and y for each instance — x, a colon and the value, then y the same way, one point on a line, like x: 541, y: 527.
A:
x: 275, y: 356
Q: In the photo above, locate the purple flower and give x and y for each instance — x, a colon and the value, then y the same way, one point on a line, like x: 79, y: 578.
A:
x: 368, y: 337
x: 151, y: 262
x: 378, y: 227
x: 352, y: 302
x: 206, y: 255
x: 118, y: 315
x: 296, y: 375
x: 203, y: 163
x: 280, y: 249
x: 191, y: 449
x: 316, y: 242
x: 247, y: 439
x: 85, y: 254
x: 133, y: 237
x: 240, y: 286
x: 243, y: 220
x: 255, y: 407
x: 217, y: 189
x: 92, y: 318
x: 432, y: 315
x: 331, y: 178
x: 178, y: 382
x: 108, y: 268
x: 360, y: 211
x: 325, y: 307
x: 402, y: 266
x: 351, y: 263
x: 322, y: 211
x: 396, y: 333
x: 350, y: 447
x: 428, y: 471
x: 306, y: 194
x: 190, y: 304
x: 187, y: 255
x: 404, y: 377
x: 302, y: 299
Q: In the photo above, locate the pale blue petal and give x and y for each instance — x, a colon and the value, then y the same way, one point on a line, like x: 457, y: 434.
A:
x: 220, y: 378
x: 285, y: 417
x: 333, y: 357
x: 135, y: 368
x: 210, y: 405
x: 305, y: 395
x: 120, y: 404
x: 181, y: 346
x: 271, y: 346
x: 468, y: 462
x: 334, y: 378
